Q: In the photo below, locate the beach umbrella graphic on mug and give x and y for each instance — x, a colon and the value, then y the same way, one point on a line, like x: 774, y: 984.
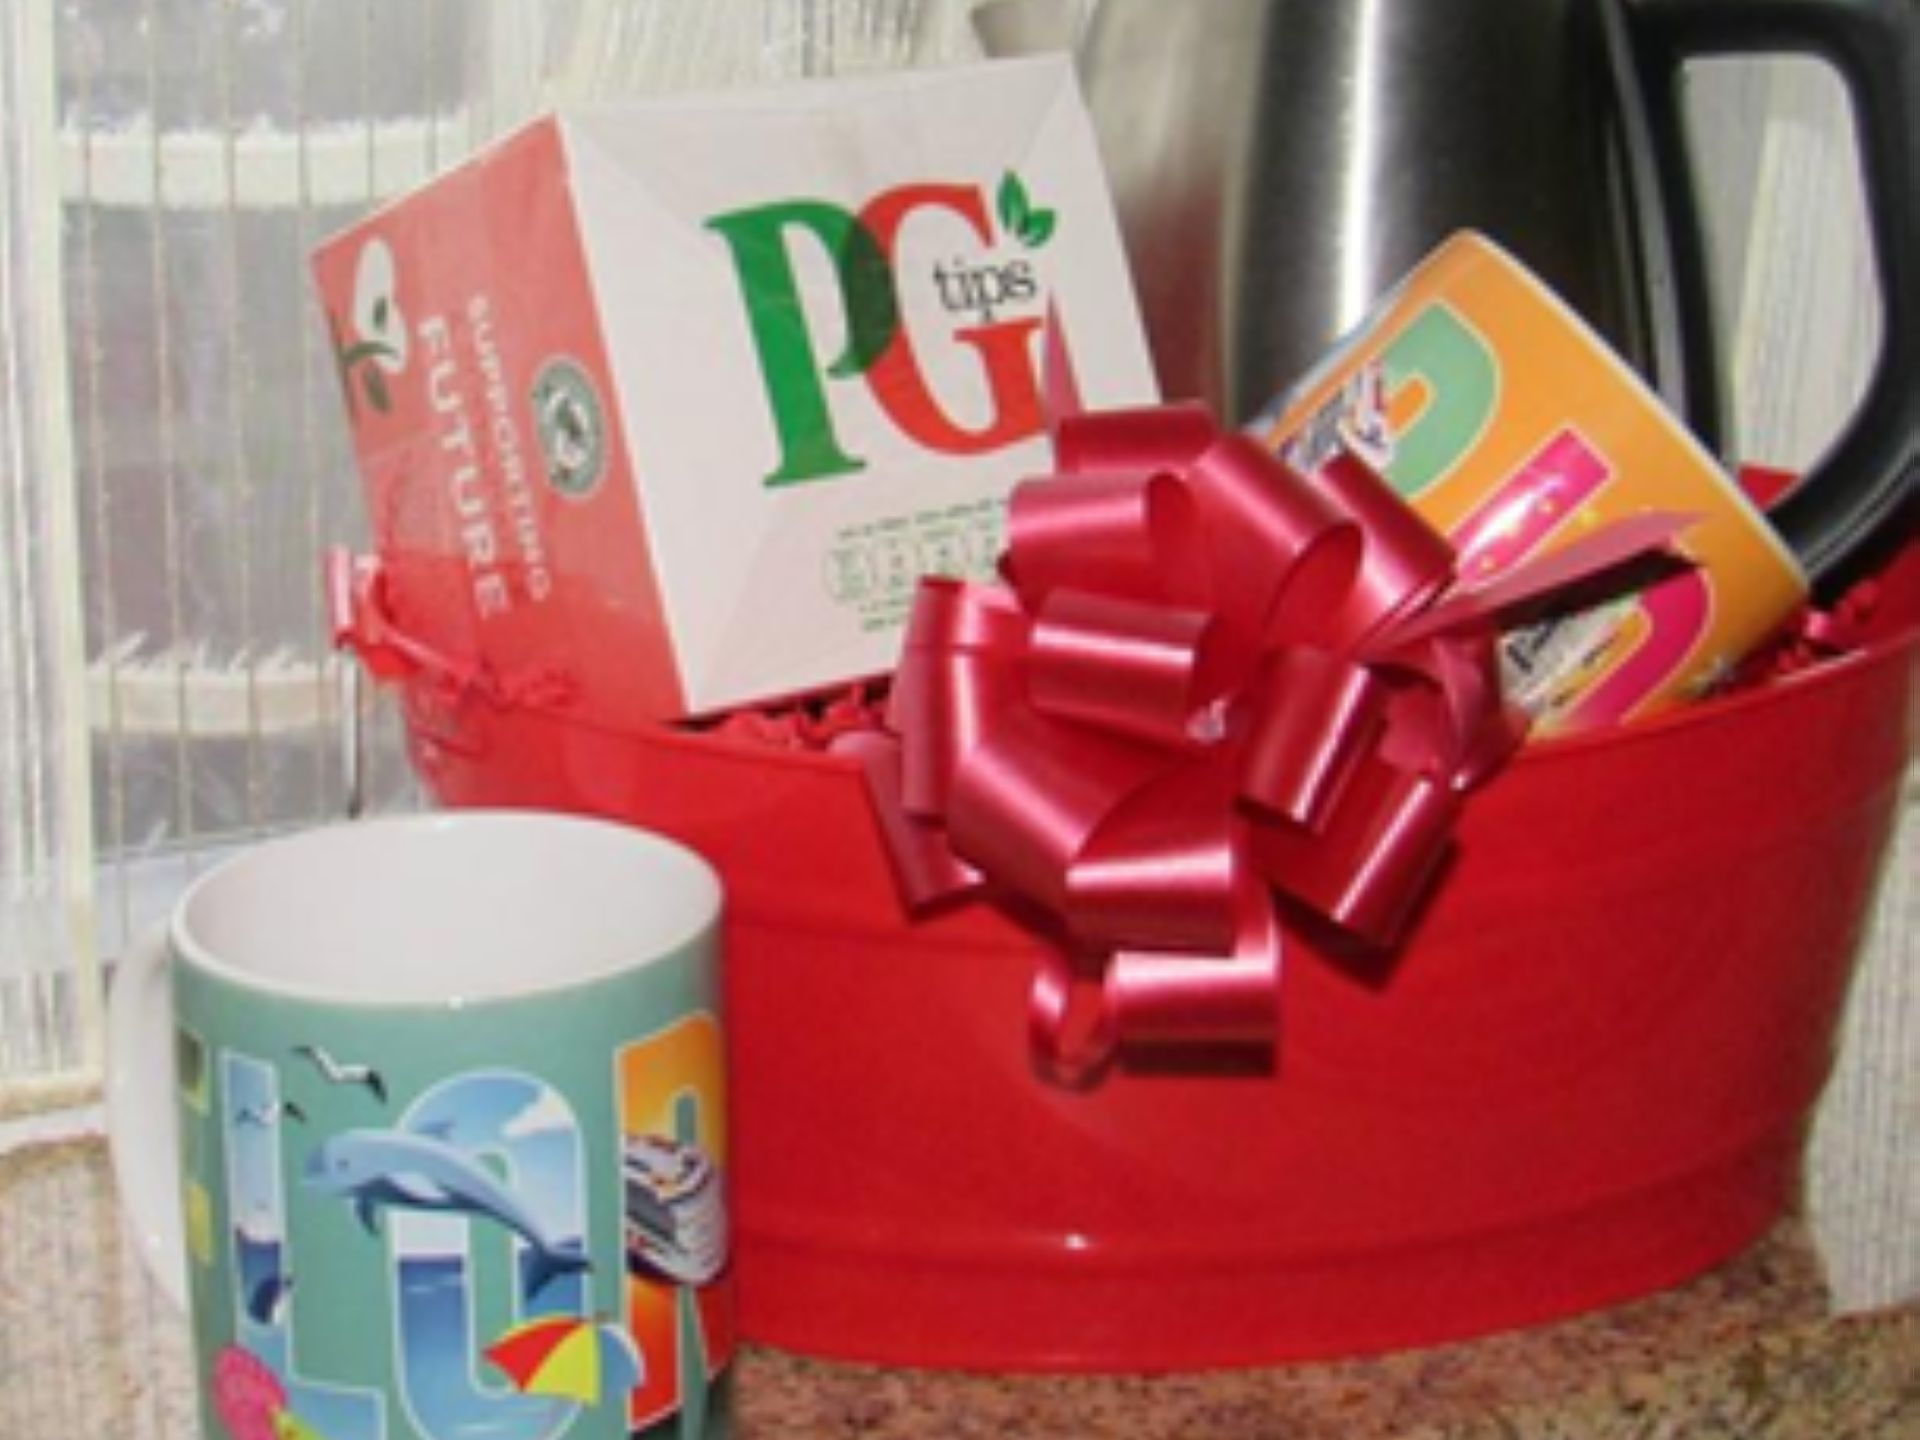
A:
x: 571, y: 1356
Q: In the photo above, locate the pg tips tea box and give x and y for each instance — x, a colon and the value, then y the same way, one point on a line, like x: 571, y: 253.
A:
x: 677, y: 399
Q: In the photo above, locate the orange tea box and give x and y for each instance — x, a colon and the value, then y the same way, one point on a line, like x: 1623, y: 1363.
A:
x: 1501, y: 417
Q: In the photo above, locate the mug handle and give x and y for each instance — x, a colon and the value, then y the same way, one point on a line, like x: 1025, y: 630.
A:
x: 142, y: 1123
x: 1829, y: 518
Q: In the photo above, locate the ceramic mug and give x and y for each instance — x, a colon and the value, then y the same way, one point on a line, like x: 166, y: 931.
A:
x: 1512, y: 427
x: 423, y: 1120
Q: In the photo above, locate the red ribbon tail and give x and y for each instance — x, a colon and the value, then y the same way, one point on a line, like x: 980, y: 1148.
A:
x: 357, y: 615
x: 1071, y: 1032
x: 925, y: 869
x: 339, y: 572
x: 360, y: 613
x: 1588, y: 558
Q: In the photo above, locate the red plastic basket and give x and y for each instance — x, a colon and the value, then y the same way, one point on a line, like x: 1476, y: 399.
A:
x: 1586, y: 1077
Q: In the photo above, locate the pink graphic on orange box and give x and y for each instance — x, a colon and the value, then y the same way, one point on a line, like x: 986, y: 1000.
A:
x: 1510, y: 426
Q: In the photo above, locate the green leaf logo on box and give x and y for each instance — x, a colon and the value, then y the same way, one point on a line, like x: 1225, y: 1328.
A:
x: 992, y: 300
x: 373, y: 347
x: 1020, y: 218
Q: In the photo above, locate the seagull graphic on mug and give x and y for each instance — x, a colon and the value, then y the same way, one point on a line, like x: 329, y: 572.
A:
x: 266, y: 1115
x: 344, y: 1072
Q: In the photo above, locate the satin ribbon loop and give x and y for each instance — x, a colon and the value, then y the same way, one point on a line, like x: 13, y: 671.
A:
x: 1408, y: 563
x: 1128, y: 533
x: 1317, y: 713
x: 1164, y: 868
x: 1122, y: 666
x: 1271, y: 537
x: 1170, y: 1001
x: 1033, y: 793
x: 1147, y: 438
x: 1367, y: 866
x: 958, y: 670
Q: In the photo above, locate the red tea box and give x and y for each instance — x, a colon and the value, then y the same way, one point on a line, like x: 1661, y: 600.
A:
x: 671, y: 402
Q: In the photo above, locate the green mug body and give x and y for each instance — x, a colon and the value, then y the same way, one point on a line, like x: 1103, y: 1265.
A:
x: 449, y: 1099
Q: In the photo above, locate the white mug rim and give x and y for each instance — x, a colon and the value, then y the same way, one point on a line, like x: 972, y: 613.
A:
x: 189, y: 950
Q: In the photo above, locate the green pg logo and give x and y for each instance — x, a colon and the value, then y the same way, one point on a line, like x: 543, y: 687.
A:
x: 880, y: 351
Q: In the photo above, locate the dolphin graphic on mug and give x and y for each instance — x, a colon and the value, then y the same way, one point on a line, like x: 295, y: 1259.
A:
x: 379, y: 1169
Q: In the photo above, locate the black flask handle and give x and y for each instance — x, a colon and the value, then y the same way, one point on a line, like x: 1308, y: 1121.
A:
x: 1860, y: 488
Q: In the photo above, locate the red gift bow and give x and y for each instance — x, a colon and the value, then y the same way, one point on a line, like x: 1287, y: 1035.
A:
x: 1211, y: 680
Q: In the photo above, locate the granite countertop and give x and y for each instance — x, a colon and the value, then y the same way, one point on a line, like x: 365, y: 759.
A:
x: 88, y: 1350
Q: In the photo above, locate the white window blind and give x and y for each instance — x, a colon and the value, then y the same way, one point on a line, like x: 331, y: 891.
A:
x: 175, y: 449
x: 48, y: 994
x: 205, y: 149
